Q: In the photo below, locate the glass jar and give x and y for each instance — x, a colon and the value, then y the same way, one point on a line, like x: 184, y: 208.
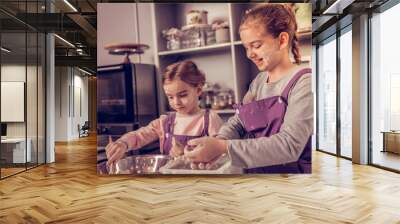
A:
x: 173, y: 44
x: 196, y: 17
x: 196, y: 35
x: 215, y: 104
x: 231, y: 101
x: 208, y: 99
x: 210, y: 37
x: 173, y: 37
x: 223, y: 99
x: 191, y: 38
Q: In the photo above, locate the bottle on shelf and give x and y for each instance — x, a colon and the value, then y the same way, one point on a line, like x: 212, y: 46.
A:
x: 208, y: 99
x: 215, y: 103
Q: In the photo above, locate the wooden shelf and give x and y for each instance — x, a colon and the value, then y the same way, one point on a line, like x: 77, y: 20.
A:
x: 203, y: 49
x: 238, y: 42
x: 225, y: 111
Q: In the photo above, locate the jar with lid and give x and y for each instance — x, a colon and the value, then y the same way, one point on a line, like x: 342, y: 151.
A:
x: 195, y: 35
x: 215, y: 103
x: 208, y: 93
x: 196, y: 17
x: 231, y: 101
x: 173, y: 37
x: 223, y: 99
x: 208, y: 99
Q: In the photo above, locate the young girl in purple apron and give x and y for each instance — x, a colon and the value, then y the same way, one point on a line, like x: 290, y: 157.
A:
x: 271, y: 131
x: 182, y: 82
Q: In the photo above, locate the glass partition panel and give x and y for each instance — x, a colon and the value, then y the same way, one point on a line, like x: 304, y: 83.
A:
x: 14, y: 153
x: 31, y: 98
x: 327, y: 96
x: 385, y: 89
x: 346, y: 94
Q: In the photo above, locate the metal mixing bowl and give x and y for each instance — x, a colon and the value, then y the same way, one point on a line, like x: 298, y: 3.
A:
x: 142, y: 164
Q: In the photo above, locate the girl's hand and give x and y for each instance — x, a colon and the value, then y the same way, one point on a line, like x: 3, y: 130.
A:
x: 205, y: 149
x: 197, y: 166
x: 176, y: 149
x: 115, y: 150
x: 206, y: 166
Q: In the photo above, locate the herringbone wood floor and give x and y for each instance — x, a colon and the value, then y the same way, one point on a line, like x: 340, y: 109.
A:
x: 70, y: 191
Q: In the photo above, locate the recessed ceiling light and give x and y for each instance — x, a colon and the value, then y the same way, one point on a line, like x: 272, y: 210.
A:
x: 84, y: 71
x: 337, y: 7
x: 64, y: 40
x: 5, y: 50
x: 70, y: 5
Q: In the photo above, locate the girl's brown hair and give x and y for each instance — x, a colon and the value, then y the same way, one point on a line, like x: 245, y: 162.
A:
x: 186, y: 71
x: 277, y: 18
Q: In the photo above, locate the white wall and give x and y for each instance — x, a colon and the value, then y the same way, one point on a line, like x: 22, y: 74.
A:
x: 12, y: 101
x: 79, y: 117
x: 117, y: 23
x: 68, y: 81
x: 12, y: 73
x: 33, y: 126
x: 61, y: 103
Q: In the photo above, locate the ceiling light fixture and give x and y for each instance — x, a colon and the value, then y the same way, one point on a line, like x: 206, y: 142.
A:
x: 337, y: 7
x: 5, y: 50
x: 64, y: 40
x: 70, y: 5
x: 84, y: 71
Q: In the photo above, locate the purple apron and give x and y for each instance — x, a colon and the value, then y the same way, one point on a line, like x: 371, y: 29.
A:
x: 263, y: 118
x: 182, y: 139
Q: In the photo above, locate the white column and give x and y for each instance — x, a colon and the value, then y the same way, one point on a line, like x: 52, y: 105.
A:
x: 314, y: 90
x: 360, y: 90
x: 50, y: 92
x: 50, y: 99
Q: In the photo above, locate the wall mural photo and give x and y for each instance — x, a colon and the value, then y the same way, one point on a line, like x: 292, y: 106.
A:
x: 204, y: 88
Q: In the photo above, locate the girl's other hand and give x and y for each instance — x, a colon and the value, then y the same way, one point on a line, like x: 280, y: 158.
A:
x: 197, y: 166
x: 115, y: 150
x: 176, y: 149
x: 205, y: 149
